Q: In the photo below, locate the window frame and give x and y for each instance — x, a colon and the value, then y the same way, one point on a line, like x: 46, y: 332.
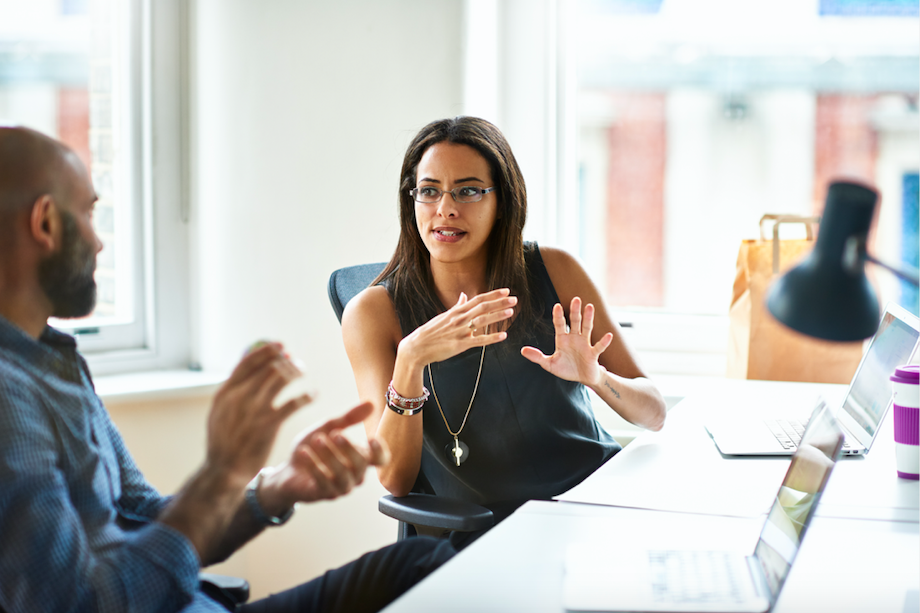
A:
x: 536, y: 110
x: 157, y: 121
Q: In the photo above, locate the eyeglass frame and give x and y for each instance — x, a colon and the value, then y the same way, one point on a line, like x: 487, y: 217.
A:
x: 482, y: 192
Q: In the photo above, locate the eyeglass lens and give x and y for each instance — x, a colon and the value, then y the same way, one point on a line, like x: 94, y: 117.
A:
x: 429, y: 194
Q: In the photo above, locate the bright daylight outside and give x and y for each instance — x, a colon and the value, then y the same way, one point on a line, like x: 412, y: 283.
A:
x: 696, y: 117
x: 58, y: 75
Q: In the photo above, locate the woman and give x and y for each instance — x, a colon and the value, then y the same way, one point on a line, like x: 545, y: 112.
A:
x: 494, y: 328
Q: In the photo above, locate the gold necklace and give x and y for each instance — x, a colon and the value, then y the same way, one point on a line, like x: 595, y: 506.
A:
x: 459, y: 451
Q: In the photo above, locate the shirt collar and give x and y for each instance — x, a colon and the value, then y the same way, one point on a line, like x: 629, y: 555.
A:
x: 46, y: 351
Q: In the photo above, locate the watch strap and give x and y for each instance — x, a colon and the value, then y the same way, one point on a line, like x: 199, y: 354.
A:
x: 255, y: 507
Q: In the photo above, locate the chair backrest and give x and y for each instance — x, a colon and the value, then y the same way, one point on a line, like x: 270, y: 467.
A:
x: 412, y: 511
x: 345, y: 283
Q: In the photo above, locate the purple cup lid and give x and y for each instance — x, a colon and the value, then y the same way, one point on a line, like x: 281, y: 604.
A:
x: 907, y: 374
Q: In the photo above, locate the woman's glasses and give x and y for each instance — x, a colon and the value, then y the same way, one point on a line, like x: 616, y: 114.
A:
x: 466, y: 193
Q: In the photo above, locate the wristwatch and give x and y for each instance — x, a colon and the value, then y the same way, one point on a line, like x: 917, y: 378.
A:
x: 252, y: 500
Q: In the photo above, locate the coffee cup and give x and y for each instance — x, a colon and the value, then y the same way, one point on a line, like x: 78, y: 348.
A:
x: 905, y: 384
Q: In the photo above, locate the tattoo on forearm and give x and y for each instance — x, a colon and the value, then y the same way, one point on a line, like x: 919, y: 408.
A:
x: 610, y: 387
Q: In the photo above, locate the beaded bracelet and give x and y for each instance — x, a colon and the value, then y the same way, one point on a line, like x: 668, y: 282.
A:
x: 401, y: 411
x: 403, y: 405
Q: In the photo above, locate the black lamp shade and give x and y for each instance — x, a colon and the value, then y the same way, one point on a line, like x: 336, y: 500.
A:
x: 822, y: 297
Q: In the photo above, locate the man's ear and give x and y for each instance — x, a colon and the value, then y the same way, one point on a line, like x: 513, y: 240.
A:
x: 44, y: 223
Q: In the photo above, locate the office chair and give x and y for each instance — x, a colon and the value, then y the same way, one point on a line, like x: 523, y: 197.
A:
x: 226, y: 590
x: 421, y: 511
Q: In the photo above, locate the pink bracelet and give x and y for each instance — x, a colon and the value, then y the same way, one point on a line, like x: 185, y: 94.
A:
x: 403, y: 405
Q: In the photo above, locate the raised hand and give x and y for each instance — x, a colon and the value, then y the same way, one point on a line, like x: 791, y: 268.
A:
x: 575, y: 358
x: 324, y: 464
x: 461, y: 327
x: 243, y: 422
x: 242, y: 427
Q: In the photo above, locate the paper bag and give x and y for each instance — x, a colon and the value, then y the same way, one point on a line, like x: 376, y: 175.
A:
x: 759, y: 347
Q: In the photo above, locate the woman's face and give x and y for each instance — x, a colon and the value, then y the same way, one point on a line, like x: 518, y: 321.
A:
x: 455, y: 231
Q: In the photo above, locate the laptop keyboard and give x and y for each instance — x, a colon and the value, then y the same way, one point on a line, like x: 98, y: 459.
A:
x: 789, y: 432
x: 698, y: 577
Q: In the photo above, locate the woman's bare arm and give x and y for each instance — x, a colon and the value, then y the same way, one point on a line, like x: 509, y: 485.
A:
x: 618, y: 379
x: 378, y: 355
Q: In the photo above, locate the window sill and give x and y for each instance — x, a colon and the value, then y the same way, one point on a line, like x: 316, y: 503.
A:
x: 157, y: 385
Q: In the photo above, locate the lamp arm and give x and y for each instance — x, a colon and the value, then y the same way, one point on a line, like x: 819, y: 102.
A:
x: 907, y: 274
x: 855, y: 251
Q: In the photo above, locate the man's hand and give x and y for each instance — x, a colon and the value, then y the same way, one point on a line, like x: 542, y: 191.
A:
x: 323, y: 465
x: 243, y: 422
x: 242, y: 427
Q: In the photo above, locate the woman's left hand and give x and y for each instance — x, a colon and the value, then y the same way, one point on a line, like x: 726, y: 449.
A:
x: 575, y: 358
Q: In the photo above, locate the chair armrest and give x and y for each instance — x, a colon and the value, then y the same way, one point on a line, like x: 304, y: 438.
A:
x: 437, y: 512
x: 228, y: 591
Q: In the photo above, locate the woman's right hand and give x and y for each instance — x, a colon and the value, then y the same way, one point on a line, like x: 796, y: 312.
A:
x: 459, y: 328
x: 379, y: 355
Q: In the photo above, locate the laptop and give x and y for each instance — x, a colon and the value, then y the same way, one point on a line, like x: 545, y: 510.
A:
x: 864, y: 406
x: 598, y: 579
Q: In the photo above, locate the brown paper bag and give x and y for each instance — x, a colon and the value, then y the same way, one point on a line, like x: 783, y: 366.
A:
x: 759, y: 347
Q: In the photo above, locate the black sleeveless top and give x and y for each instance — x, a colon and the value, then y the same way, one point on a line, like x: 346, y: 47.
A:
x: 530, y: 434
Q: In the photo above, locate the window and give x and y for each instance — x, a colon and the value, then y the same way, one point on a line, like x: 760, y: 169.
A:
x: 664, y: 130
x: 62, y: 75
x: 83, y: 72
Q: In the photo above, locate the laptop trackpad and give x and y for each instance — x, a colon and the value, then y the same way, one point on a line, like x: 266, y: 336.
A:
x: 745, y: 437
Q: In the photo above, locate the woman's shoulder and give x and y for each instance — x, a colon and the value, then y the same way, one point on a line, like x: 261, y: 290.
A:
x: 369, y: 300
x: 370, y: 315
x: 558, y: 262
x: 371, y: 305
x: 566, y: 273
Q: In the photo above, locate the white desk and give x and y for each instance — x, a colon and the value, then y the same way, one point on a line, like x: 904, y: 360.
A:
x: 862, y: 552
x: 680, y: 468
x: 518, y: 566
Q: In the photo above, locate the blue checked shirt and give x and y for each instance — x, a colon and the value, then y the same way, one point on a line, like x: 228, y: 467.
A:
x: 76, y: 529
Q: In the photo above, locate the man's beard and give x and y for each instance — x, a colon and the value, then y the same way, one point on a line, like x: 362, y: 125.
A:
x: 67, y: 276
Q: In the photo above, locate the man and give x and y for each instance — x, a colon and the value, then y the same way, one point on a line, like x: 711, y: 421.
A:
x: 80, y: 528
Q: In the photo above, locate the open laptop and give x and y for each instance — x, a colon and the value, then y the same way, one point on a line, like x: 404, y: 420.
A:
x: 598, y: 579
x: 863, y: 409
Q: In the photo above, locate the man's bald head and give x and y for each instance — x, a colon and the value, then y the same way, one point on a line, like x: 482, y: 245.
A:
x: 32, y: 165
x: 48, y: 246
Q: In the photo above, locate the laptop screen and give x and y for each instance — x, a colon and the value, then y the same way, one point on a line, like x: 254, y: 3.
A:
x: 870, y: 393
x: 798, y: 496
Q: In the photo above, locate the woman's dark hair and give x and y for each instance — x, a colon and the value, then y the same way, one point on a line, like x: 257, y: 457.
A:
x: 408, y: 274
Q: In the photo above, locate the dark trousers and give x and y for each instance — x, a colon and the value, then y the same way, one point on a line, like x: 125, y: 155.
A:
x: 368, y: 584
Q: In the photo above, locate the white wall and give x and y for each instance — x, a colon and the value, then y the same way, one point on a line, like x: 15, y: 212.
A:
x: 301, y: 112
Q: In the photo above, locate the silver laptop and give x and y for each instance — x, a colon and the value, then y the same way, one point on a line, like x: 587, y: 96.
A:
x: 863, y: 409
x: 598, y: 579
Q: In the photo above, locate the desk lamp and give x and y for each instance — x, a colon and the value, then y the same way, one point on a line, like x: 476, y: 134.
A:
x: 828, y: 295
